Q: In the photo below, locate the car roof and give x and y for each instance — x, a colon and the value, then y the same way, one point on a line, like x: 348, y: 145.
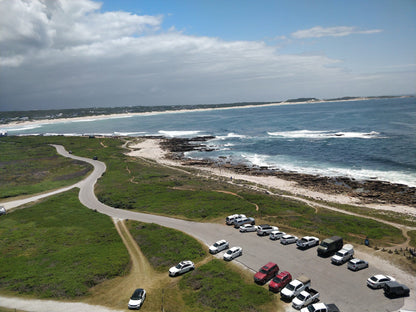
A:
x: 235, y: 248
x: 221, y: 241
x: 269, y: 264
x: 186, y: 262
x: 380, y: 276
x: 283, y: 273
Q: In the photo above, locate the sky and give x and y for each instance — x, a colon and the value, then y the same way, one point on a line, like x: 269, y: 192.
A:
x: 57, y: 54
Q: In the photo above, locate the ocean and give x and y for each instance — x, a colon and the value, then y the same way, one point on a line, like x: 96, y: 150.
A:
x: 363, y: 139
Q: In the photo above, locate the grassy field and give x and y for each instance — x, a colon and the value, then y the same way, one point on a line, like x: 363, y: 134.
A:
x: 29, y: 166
x: 58, y: 249
x: 131, y: 183
x: 163, y: 247
x: 205, y: 289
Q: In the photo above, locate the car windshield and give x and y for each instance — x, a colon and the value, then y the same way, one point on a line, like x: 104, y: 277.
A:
x: 301, y: 297
x: 179, y: 266
x: 229, y: 252
x: 290, y: 287
x: 216, y: 245
x: 277, y: 279
x: 137, y: 294
x: 374, y: 279
x: 324, y: 244
x: 264, y: 271
x: 311, y: 308
x: 339, y: 254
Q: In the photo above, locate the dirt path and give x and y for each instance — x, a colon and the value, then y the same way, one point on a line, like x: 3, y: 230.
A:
x: 115, y: 293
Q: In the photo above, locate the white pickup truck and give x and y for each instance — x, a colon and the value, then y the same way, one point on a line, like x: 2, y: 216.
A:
x: 343, y: 255
x: 295, y: 287
x: 305, y: 298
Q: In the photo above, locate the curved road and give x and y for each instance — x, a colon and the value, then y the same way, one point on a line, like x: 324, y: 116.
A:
x: 335, y: 283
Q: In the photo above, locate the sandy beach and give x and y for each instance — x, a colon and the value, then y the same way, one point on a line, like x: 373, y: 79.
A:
x: 127, y: 115
x: 150, y: 148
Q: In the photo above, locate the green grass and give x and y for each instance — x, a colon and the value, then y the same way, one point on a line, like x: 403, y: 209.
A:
x: 28, y: 166
x: 216, y: 287
x: 412, y: 235
x: 164, y: 247
x: 58, y: 249
x: 131, y: 183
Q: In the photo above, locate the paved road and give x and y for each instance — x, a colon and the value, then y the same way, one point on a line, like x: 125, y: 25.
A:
x: 336, y: 283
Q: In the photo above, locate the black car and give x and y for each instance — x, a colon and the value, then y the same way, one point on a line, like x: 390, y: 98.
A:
x: 394, y: 290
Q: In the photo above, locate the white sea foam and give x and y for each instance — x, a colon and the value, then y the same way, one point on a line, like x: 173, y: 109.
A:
x: 230, y: 136
x: 310, y: 134
x: 178, y: 133
x: 130, y: 133
x: 23, y: 128
x: 281, y: 163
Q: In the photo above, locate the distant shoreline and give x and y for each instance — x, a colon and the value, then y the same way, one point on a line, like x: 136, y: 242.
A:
x: 127, y: 115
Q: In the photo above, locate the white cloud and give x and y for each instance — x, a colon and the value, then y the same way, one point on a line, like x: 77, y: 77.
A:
x: 339, y: 31
x: 66, y: 53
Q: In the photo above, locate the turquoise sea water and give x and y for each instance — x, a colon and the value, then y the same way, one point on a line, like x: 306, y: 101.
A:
x: 369, y: 139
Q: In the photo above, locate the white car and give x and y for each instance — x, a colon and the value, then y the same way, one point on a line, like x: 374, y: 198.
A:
x: 248, y: 228
x: 288, y: 239
x: 378, y: 281
x: 232, y: 253
x: 181, y: 267
x: 218, y: 246
x: 357, y: 264
x: 137, y: 299
x: 230, y: 219
x: 276, y: 235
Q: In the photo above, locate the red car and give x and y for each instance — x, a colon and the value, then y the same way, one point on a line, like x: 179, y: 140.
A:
x: 280, y: 281
x: 266, y: 273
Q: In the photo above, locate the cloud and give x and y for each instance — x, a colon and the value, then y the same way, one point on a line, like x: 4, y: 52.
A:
x: 339, y: 31
x: 68, y: 54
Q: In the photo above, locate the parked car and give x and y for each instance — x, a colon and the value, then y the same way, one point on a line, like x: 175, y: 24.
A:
x: 357, y: 264
x: 248, y: 228
x: 394, y: 290
x: 305, y: 298
x: 295, y: 287
x: 280, y: 281
x: 329, y: 246
x: 307, y: 242
x: 181, y: 267
x: 321, y: 307
x: 379, y: 280
x: 2, y: 210
x: 218, y: 246
x: 266, y: 229
x: 274, y: 235
x: 230, y: 219
x: 343, y: 255
x: 233, y: 253
x: 266, y: 273
x: 288, y: 239
x: 242, y: 221
x: 137, y: 299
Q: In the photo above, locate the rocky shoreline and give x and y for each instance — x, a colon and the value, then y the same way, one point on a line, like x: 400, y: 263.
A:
x: 367, y: 191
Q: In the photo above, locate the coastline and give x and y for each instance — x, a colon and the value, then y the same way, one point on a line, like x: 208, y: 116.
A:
x: 128, y: 115
x: 151, y: 148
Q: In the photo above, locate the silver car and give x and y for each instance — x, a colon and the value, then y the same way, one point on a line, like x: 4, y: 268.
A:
x: 357, y: 264
x: 248, y: 228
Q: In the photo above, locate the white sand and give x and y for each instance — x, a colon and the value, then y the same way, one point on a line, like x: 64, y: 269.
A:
x: 150, y: 149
